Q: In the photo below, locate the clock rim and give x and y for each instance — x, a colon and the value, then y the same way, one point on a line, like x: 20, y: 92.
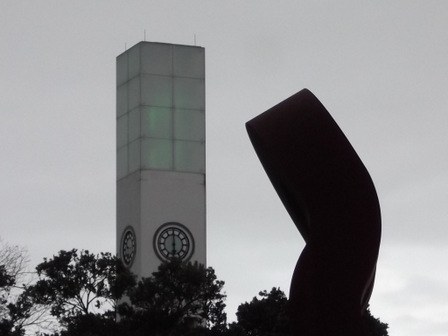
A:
x: 180, y: 227
x: 127, y: 229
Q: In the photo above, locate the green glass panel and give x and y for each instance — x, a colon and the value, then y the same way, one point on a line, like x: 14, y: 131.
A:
x: 189, y: 93
x: 189, y: 125
x: 133, y: 93
x: 189, y: 156
x: 134, y: 156
x: 157, y: 90
x: 157, y: 154
x: 157, y: 122
x: 134, y: 124
x: 122, y: 100
x: 122, y: 131
x: 156, y: 59
x: 122, y: 162
x: 122, y: 69
x: 134, y: 61
x: 189, y: 61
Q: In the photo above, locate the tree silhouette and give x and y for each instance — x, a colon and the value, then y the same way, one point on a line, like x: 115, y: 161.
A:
x: 79, y: 287
x: 181, y: 298
x: 268, y: 316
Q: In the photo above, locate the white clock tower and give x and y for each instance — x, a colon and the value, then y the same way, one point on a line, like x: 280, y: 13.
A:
x: 161, y: 210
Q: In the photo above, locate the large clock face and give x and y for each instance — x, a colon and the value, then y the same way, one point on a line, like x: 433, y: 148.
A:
x: 128, y: 246
x: 173, y: 240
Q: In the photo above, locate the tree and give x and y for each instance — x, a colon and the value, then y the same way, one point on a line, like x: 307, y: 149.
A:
x: 15, y: 311
x: 181, y: 298
x: 80, y: 287
x: 266, y: 316
x: 83, y: 292
x: 13, y: 262
x: 373, y: 325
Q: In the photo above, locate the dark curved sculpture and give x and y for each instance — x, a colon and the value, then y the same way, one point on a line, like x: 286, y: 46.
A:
x: 331, y: 198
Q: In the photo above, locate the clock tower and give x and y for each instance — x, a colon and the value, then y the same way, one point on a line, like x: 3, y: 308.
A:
x: 160, y: 155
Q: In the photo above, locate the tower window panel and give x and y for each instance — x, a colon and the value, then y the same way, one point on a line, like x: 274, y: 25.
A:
x: 189, y: 125
x: 189, y: 62
x: 189, y: 93
x: 122, y: 162
x: 134, y: 61
x: 157, y: 90
x: 122, y: 100
x: 122, y: 131
x: 157, y: 122
x: 122, y: 69
x: 157, y: 154
x: 133, y: 93
x: 134, y: 124
x: 189, y: 156
x: 134, y: 156
x: 156, y: 59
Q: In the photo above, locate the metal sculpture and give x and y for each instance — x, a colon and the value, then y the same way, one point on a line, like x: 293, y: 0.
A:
x: 331, y: 198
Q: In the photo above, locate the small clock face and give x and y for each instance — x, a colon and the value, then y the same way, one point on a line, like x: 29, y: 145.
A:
x: 173, y: 240
x: 128, y: 246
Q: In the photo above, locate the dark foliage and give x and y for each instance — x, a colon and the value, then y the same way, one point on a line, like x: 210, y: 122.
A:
x: 179, y: 299
x: 84, y: 292
x: 81, y: 290
x: 374, y: 326
x: 14, y: 307
x: 265, y: 316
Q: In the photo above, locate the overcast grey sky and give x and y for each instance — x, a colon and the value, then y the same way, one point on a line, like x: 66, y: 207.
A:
x: 380, y: 68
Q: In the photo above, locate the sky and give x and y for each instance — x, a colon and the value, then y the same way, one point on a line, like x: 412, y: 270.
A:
x: 380, y: 68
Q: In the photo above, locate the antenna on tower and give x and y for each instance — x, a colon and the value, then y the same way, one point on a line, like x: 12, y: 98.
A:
x: 144, y: 35
x: 195, y: 40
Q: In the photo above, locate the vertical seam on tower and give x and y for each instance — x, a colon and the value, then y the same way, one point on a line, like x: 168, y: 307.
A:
x: 173, y: 156
x: 140, y: 108
x: 126, y: 116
